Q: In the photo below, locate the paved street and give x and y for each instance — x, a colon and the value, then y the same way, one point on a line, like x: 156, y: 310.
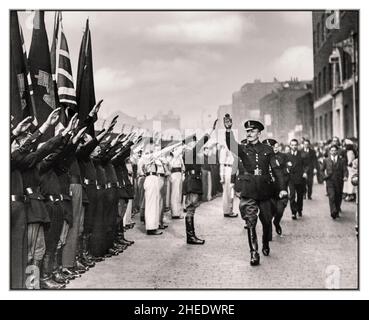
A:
x: 310, y: 248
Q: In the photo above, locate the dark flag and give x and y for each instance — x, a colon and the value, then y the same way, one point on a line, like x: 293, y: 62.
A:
x: 62, y: 71
x: 85, y: 91
x: 21, y: 102
x: 40, y: 68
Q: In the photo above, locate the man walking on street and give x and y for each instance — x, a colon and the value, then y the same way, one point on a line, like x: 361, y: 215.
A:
x: 279, y: 204
x: 297, y: 182
x: 257, y: 188
x: 335, y: 173
x: 311, y: 167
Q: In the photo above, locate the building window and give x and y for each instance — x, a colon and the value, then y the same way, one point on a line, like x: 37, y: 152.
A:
x: 330, y: 86
x: 326, y: 126
x: 331, y: 124
x: 324, y: 32
x: 348, y: 65
x: 321, y: 127
x: 319, y: 85
x: 318, y: 35
x: 344, y: 65
x: 324, y: 82
x: 315, y: 89
x: 316, y: 129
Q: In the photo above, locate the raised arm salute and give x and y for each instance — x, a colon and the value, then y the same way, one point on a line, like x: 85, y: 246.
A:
x: 192, y: 186
x: 257, y: 186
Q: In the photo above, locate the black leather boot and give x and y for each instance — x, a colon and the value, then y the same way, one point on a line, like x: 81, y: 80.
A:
x: 190, y: 232
x: 58, y: 275
x: 46, y: 281
x: 253, y: 244
x: 266, y: 237
x: 123, y: 240
x: 84, y: 255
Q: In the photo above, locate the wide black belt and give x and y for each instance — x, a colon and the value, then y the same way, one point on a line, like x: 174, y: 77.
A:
x: 176, y: 170
x: 19, y: 198
x: 110, y: 185
x: 88, y: 182
x: 151, y: 174
x: 54, y: 197
x: 193, y: 172
x: 255, y: 173
x: 227, y: 165
x: 161, y: 174
x: 30, y: 190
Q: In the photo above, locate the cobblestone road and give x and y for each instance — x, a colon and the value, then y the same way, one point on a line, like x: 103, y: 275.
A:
x: 311, y: 250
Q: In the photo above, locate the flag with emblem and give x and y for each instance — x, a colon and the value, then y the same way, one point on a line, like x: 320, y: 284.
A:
x: 62, y: 71
x: 40, y: 69
x: 85, y: 90
x: 22, y: 104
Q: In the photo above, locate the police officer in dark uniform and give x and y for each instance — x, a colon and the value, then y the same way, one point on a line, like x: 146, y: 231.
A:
x: 257, y: 186
x: 278, y: 204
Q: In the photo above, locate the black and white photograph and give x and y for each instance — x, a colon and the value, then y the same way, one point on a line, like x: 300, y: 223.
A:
x: 184, y: 149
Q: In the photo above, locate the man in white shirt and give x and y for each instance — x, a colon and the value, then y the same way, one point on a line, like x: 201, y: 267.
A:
x: 226, y: 160
x: 176, y: 167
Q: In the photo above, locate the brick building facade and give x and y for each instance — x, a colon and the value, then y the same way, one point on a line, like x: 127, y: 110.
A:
x: 336, y: 106
x: 278, y: 110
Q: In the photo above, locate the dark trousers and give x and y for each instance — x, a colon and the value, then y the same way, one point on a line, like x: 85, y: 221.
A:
x: 250, y: 208
x: 309, y: 185
x: 98, y: 236
x: 334, y: 191
x: 192, y: 202
x: 278, y: 206
x: 90, y: 209
x: 296, y: 196
x: 18, y: 245
x: 52, y: 231
x: 111, y: 214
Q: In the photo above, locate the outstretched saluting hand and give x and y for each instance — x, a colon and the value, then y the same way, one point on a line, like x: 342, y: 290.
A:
x: 50, y: 121
x: 22, y: 126
x: 96, y: 108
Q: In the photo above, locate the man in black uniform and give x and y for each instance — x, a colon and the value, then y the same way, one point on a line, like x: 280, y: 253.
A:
x: 257, y: 187
x: 192, y: 186
x: 278, y: 204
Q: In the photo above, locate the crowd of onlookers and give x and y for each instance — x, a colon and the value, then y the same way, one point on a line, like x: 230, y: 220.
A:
x: 348, y: 148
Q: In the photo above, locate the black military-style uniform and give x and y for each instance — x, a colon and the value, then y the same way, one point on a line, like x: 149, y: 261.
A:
x: 19, y: 206
x: 257, y: 188
x: 192, y: 188
x: 89, y: 180
x: 192, y: 183
x: 51, y: 190
x: 99, y: 228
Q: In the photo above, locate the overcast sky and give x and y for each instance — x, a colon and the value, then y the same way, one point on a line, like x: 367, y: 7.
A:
x: 190, y: 62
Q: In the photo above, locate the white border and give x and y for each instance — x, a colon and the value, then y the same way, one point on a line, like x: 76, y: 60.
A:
x: 180, y: 295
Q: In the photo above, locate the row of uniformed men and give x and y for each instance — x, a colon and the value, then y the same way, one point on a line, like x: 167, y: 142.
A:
x: 66, y: 195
